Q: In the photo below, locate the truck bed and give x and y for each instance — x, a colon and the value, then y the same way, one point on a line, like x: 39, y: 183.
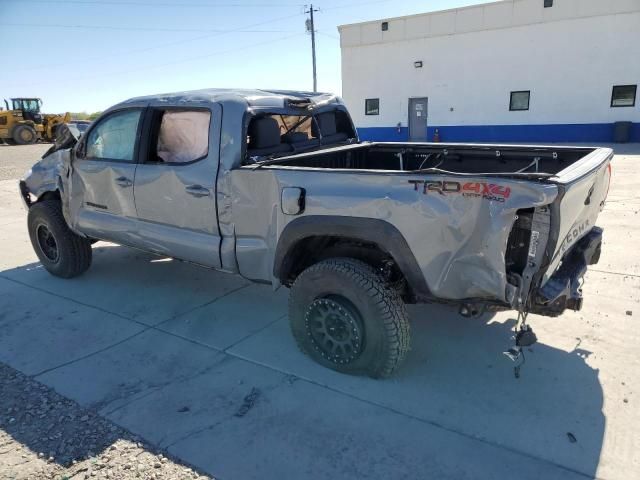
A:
x: 485, y: 210
x: 521, y: 160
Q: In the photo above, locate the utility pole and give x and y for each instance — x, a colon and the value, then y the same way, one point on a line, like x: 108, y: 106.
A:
x: 312, y: 30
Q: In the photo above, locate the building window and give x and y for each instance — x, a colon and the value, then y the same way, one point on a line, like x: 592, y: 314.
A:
x: 548, y: 3
x: 372, y: 106
x: 385, y: 26
x: 519, y: 100
x: 624, y: 96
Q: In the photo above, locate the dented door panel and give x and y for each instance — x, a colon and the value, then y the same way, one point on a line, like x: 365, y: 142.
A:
x: 104, y: 206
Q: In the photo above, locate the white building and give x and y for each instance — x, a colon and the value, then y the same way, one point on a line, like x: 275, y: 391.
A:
x: 514, y: 70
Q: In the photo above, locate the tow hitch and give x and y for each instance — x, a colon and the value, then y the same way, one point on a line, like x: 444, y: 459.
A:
x: 524, y: 337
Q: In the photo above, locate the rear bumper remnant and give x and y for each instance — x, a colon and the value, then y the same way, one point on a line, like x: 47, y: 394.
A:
x: 563, y: 290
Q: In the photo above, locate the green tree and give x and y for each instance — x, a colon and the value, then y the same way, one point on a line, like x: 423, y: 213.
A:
x: 85, y: 115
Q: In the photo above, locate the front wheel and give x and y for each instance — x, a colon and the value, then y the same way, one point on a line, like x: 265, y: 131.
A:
x: 346, y: 317
x: 62, y: 252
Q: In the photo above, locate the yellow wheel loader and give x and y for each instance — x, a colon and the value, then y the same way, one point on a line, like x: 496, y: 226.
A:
x: 22, y: 123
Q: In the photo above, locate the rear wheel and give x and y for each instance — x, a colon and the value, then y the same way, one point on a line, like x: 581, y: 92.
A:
x: 62, y: 252
x: 346, y: 317
x: 25, y: 135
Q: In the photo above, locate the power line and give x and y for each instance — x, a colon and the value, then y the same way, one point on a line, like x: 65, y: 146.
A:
x: 335, y: 37
x: 154, y: 47
x: 163, y: 4
x: 354, y: 5
x: 175, y: 62
x: 143, y: 29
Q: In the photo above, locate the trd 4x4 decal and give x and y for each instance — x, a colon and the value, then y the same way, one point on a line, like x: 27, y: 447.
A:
x: 488, y: 191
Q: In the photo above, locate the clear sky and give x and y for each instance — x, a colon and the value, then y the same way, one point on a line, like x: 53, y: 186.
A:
x: 85, y: 55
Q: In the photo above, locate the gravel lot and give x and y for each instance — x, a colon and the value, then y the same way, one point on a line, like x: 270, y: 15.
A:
x: 45, y: 435
x: 16, y: 160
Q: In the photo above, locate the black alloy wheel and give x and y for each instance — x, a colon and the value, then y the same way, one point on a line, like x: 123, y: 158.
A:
x: 336, y: 329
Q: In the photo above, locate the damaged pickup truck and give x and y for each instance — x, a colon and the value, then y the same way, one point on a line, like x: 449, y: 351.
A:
x: 275, y: 186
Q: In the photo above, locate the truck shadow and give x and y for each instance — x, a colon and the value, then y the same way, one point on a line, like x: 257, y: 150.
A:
x: 552, y: 411
x: 455, y: 378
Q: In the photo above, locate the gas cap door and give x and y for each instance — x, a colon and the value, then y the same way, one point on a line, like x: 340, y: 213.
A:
x: 292, y: 200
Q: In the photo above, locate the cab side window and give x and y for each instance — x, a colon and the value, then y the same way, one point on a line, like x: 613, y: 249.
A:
x: 114, y: 138
x: 179, y: 136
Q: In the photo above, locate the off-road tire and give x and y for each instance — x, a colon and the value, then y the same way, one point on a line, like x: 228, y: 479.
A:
x: 73, y: 252
x: 385, y: 324
x: 18, y: 132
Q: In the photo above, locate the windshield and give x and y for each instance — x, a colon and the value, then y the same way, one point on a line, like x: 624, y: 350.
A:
x: 28, y: 105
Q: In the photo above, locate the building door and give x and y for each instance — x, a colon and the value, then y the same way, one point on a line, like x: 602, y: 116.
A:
x: 418, y: 119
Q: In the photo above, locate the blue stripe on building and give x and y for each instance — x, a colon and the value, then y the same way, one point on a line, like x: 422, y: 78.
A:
x: 554, y: 133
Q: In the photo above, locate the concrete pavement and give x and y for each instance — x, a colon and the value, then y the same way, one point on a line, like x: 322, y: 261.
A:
x: 202, y: 364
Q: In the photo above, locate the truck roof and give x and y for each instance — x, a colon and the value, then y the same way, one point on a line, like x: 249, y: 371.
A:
x: 252, y: 97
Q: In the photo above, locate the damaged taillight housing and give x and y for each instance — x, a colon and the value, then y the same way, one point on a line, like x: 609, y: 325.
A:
x: 518, y: 242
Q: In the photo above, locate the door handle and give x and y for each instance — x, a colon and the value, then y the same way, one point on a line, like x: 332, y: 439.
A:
x: 124, y: 182
x: 197, y: 191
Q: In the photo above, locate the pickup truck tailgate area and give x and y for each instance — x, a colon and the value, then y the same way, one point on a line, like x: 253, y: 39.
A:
x: 577, y: 241
x: 581, y: 195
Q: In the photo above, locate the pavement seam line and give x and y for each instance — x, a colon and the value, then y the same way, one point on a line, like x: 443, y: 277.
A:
x: 96, y: 352
x: 614, y: 273
x: 152, y: 390
x: 191, y: 434
x: 211, y: 347
x: 246, y: 337
x: 87, y: 305
x: 206, y: 304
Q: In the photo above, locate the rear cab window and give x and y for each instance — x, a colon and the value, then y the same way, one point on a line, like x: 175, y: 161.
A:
x: 270, y: 134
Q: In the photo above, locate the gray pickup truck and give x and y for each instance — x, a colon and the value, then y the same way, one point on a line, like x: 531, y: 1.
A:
x: 276, y: 186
